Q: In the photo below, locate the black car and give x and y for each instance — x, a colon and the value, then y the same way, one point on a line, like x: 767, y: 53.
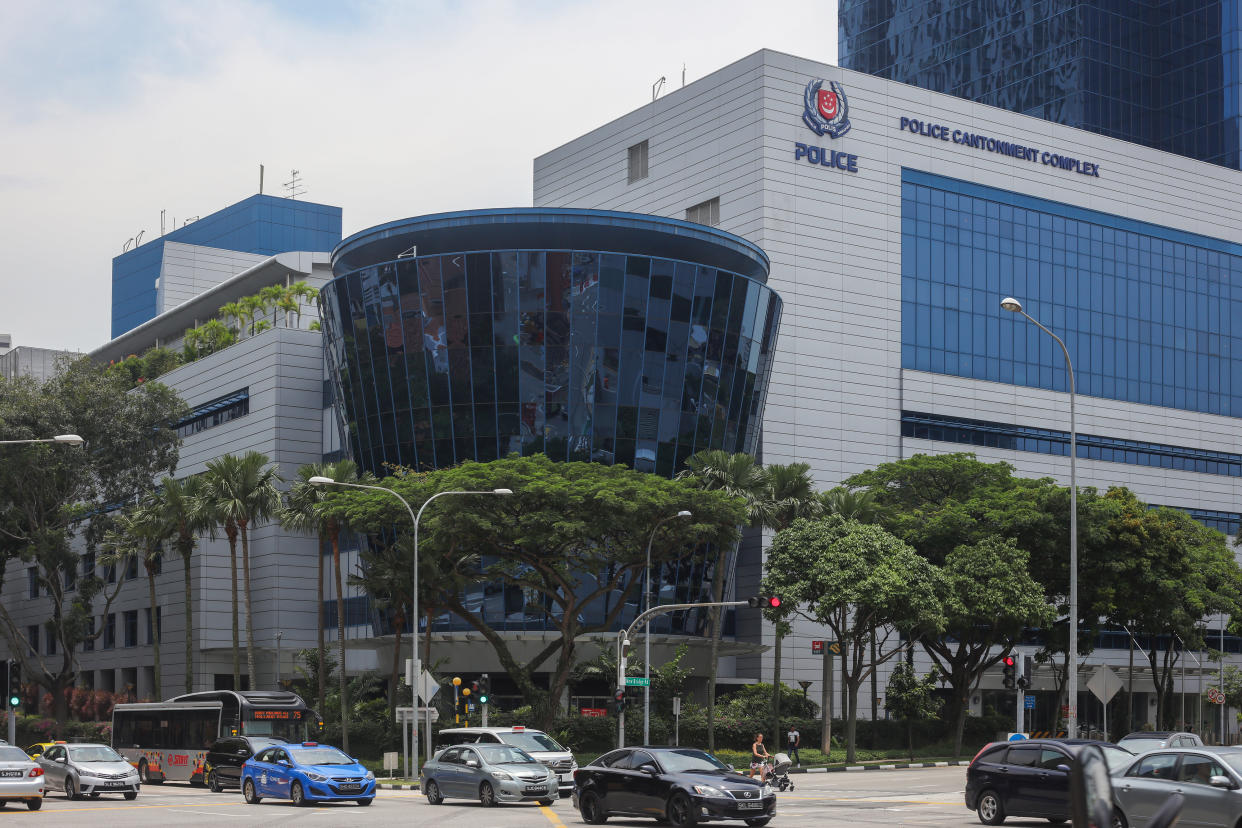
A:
x: 1029, y: 778
x: 677, y: 785
x: 227, y: 755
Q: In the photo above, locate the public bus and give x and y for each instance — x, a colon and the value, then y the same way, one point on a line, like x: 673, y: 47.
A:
x: 168, y: 741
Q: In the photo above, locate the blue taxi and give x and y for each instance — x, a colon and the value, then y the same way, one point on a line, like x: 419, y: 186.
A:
x: 306, y: 773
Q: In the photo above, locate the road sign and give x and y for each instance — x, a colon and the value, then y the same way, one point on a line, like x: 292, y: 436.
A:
x: 1016, y: 737
x: 593, y: 712
x: 834, y: 647
x: 637, y: 681
x: 676, y: 705
x: 403, y: 714
x: 817, y: 648
x: 1029, y: 702
x: 1215, y: 696
x: 428, y: 687
x: 1104, y: 684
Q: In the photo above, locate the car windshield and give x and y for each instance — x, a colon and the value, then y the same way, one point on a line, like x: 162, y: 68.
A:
x: 505, y: 755
x: 1142, y: 744
x: 690, y: 760
x: 532, y: 741
x: 321, y: 756
x: 1116, y: 757
x: 8, y: 753
x: 94, y: 753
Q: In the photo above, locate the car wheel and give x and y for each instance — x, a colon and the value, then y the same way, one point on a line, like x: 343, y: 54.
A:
x: 591, y: 809
x: 547, y: 803
x: 213, y: 783
x: 71, y: 789
x: 34, y: 804
x: 131, y: 795
x: 990, y: 810
x: 95, y: 795
x: 297, y: 795
x: 1119, y: 820
x: 365, y: 802
x: 432, y: 790
x: 249, y: 794
x: 487, y: 796
x: 681, y: 811
x: 758, y: 823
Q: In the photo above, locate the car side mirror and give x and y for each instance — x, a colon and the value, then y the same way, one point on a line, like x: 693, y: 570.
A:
x: 1221, y: 782
x: 284, y: 762
x: 1063, y: 768
x: 649, y: 768
x: 472, y: 763
x: 60, y: 759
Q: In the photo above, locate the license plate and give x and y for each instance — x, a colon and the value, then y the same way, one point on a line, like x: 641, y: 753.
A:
x: 350, y: 786
x: 10, y: 774
x: 750, y: 806
x: 113, y: 785
x: 535, y: 789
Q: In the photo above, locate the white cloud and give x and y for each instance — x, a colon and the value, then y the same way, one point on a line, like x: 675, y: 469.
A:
x: 397, y: 110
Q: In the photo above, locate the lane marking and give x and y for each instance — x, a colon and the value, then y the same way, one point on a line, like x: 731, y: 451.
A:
x: 552, y: 816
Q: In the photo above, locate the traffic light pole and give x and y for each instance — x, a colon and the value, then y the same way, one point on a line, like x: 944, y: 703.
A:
x: 9, y: 712
x: 624, y: 638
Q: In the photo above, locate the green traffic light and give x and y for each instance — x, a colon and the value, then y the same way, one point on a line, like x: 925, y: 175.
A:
x: 14, y: 701
x: 483, y: 699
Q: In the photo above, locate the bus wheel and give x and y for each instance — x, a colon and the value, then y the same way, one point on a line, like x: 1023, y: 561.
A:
x: 144, y: 775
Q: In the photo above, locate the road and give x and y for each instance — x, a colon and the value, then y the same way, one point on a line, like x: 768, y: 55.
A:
x: 924, y: 797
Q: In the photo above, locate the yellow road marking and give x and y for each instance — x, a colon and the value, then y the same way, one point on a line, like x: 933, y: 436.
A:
x: 857, y: 799
x: 552, y: 816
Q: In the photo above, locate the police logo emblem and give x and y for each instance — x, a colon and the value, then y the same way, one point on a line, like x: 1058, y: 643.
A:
x: 826, y: 110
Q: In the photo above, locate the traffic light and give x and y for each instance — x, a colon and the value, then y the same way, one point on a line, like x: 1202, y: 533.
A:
x: 1026, y: 669
x: 763, y: 602
x: 15, y: 685
x: 474, y: 688
x: 1010, y: 680
x: 485, y: 689
x: 618, y: 700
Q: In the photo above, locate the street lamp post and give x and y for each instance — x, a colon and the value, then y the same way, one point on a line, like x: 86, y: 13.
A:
x: 416, y: 664
x: 1014, y: 306
x: 647, y: 629
x: 68, y: 439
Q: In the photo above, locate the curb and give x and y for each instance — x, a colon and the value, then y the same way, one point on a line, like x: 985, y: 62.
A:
x: 410, y: 787
x: 887, y: 767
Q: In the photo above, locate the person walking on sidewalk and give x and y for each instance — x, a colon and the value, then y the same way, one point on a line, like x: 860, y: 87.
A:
x: 759, y: 759
x: 794, y: 739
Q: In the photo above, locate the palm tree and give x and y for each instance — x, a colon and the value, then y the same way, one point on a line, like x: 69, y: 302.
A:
x: 241, y: 492
x: 851, y: 505
x: 788, y: 494
x: 300, y: 514
x: 185, y: 515
x: 251, y: 306
x: 139, y: 532
x: 301, y: 291
x: 737, y: 475
x: 270, y: 296
x: 232, y: 313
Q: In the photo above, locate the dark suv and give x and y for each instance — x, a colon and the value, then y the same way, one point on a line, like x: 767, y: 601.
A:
x: 227, y: 755
x: 1029, y: 778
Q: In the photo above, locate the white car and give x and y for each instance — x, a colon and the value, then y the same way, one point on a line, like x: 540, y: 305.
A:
x: 89, y: 769
x: 21, y: 778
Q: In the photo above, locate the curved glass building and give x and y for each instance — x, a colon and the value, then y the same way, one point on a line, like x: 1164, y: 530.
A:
x: 584, y: 334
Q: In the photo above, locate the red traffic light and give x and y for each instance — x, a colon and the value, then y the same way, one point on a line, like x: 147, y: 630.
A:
x: 774, y: 602
x: 1009, y: 661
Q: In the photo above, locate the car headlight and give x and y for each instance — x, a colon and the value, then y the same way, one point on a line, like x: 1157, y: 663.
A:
x: 767, y: 790
x: 708, y: 790
x: 316, y: 777
x: 370, y: 776
x: 502, y: 775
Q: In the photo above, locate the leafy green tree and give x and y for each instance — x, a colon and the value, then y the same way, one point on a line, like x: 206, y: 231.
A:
x: 910, y: 698
x: 738, y: 476
x: 242, y: 491
x: 51, y: 493
x: 303, y: 512
x: 182, y: 509
x: 571, y: 538
x: 386, y: 572
x: 852, y: 505
x: 140, y: 533
x: 855, y: 579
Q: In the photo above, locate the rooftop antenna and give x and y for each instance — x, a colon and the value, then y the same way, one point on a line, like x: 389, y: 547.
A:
x: 162, y: 212
x: 190, y: 219
x: 294, y: 185
x: 656, y: 87
x: 138, y: 238
x: 683, y: 74
x: 125, y: 247
x: 260, y: 179
x: 405, y: 254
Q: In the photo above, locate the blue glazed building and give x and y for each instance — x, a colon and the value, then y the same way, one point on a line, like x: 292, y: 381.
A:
x: 1159, y: 73
x: 261, y: 225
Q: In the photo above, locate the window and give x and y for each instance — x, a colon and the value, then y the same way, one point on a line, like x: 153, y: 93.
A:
x: 131, y: 568
x: 49, y: 645
x: 1052, y: 759
x: 708, y: 212
x: 1199, y: 769
x: 110, y: 573
x: 109, y: 632
x: 88, y: 645
x: 131, y: 628
x: 71, y: 579
x: 1028, y: 756
x: 32, y: 638
x: 88, y: 565
x: 159, y: 624
x: 32, y: 581
x: 637, y: 167
x: 215, y: 413
x: 1157, y: 766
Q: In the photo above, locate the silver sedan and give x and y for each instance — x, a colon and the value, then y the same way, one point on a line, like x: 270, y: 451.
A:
x: 88, y: 769
x: 21, y: 778
x: 490, y: 774
x: 1210, y: 779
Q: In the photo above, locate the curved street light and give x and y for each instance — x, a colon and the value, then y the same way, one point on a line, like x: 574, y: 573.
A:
x: 1071, y: 726
x: 647, y: 628
x: 68, y: 439
x: 417, y: 665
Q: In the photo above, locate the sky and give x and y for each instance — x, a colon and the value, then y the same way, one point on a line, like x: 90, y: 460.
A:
x: 113, y: 111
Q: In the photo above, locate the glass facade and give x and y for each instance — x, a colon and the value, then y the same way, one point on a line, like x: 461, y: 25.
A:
x: 1150, y: 315
x: 1163, y: 73
x: 584, y: 335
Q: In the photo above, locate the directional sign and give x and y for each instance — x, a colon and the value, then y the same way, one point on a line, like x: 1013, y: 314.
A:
x: 637, y: 681
x: 1029, y: 703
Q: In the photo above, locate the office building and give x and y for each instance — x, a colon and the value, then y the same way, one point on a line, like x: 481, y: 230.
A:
x: 896, y: 219
x: 1167, y: 75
